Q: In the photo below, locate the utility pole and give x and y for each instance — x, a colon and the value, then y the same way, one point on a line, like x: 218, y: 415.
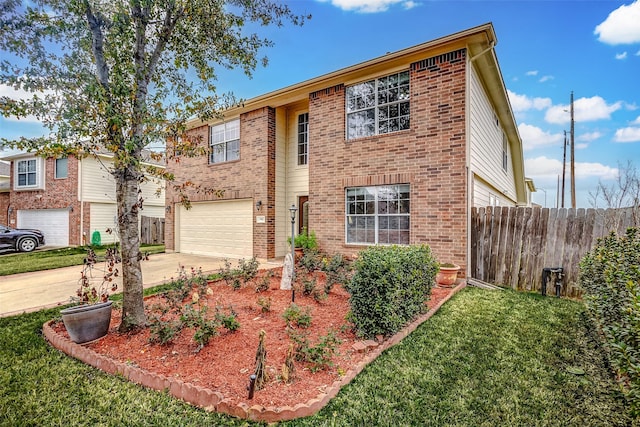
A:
x: 573, y: 159
x: 564, y: 166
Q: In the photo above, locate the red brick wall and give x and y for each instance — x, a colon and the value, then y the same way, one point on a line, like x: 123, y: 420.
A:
x: 58, y: 194
x: 4, y: 206
x: 430, y: 157
x: 252, y: 176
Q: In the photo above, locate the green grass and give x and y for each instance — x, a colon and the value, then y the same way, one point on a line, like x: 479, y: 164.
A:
x: 15, y: 263
x: 485, y: 359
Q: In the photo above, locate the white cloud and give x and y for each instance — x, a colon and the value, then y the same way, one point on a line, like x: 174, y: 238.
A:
x: 12, y: 93
x: 636, y: 121
x: 532, y: 73
x: 533, y: 137
x: 523, y: 102
x: 370, y: 6
x: 546, y: 169
x: 585, y: 110
x: 588, y: 137
x: 545, y: 79
x: 638, y: 53
x: 582, y: 146
x: 628, y: 134
x: 597, y: 170
x: 410, y: 4
x: 622, y: 55
x: 541, y: 168
x: 621, y: 26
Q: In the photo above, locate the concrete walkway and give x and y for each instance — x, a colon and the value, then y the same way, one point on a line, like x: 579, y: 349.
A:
x: 29, y: 292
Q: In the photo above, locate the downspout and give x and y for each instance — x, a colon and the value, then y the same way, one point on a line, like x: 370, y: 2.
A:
x: 83, y: 236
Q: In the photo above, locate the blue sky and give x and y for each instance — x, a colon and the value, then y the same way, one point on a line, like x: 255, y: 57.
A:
x: 546, y: 49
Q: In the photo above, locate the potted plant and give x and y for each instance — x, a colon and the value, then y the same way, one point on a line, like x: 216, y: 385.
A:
x: 90, y: 320
x: 447, y: 274
x: 304, y: 241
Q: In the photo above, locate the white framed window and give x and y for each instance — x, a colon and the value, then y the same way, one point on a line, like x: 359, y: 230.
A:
x: 303, y: 139
x: 505, y: 156
x: 62, y: 168
x: 494, y: 200
x: 225, y: 142
x: 378, y: 215
x: 29, y: 173
x: 378, y: 106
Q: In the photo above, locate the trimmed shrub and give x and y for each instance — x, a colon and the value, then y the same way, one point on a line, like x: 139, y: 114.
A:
x: 610, y: 278
x: 390, y: 287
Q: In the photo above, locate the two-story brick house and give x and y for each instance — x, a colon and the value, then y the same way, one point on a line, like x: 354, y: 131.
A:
x: 69, y: 198
x: 392, y: 150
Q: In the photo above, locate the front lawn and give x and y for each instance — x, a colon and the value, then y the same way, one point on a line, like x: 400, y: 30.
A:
x: 486, y: 358
x: 14, y: 263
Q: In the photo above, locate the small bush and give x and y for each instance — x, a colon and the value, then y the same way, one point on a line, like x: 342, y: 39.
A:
x: 265, y: 304
x: 248, y: 269
x: 337, y: 269
x: 318, y: 356
x: 294, y: 315
x: 610, y: 278
x: 390, y: 287
x: 265, y: 282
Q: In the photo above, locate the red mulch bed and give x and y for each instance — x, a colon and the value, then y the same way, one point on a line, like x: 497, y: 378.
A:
x: 226, y: 362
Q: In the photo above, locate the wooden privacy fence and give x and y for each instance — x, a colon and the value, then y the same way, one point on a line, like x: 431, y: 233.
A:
x: 511, y: 245
x: 151, y: 230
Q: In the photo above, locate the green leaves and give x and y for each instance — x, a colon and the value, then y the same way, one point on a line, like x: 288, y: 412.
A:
x: 390, y: 287
x: 610, y: 277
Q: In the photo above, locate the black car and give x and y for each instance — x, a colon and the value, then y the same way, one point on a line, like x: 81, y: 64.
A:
x: 20, y: 240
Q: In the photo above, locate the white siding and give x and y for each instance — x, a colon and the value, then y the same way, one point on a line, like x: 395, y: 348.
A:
x: 153, y: 211
x: 297, y: 176
x: 103, y: 216
x: 486, y: 138
x: 485, y: 195
x: 151, y: 196
x: 96, y: 183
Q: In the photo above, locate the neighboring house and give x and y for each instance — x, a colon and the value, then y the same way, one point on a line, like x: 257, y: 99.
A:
x: 69, y: 198
x: 396, y: 149
x: 5, y: 172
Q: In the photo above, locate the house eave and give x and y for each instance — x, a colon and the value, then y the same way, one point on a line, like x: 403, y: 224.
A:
x: 475, y: 39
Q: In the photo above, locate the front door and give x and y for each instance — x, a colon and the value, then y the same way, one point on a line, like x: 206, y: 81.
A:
x: 303, y: 213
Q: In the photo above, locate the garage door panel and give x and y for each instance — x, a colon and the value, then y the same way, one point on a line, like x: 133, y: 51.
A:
x: 54, y: 224
x: 222, y: 229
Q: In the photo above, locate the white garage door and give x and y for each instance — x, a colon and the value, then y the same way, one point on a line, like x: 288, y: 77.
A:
x: 54, y: 223
x: 223, y: 229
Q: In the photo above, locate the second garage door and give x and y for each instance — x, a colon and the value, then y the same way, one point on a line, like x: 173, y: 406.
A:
x: 223, y: 229
x: 54, y: 224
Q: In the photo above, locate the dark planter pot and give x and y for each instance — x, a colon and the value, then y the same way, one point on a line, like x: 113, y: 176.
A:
x: 87, y: 322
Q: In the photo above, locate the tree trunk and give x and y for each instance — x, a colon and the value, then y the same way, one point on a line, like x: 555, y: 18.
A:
x: 133, y: 315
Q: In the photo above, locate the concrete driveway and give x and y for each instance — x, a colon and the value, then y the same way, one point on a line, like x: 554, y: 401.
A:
x: 26, y: 292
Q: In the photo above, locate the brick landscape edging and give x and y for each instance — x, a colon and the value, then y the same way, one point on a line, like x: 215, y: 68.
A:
x: 214, y: 401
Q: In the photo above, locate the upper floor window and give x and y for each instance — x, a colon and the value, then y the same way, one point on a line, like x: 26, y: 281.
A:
x: 62, y: 169
x: 505, y: 157
x: 27, y: 173
x: 303, y: 139
x: 378, y: 215
x: 225, y: 142
x: 378, y: 106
